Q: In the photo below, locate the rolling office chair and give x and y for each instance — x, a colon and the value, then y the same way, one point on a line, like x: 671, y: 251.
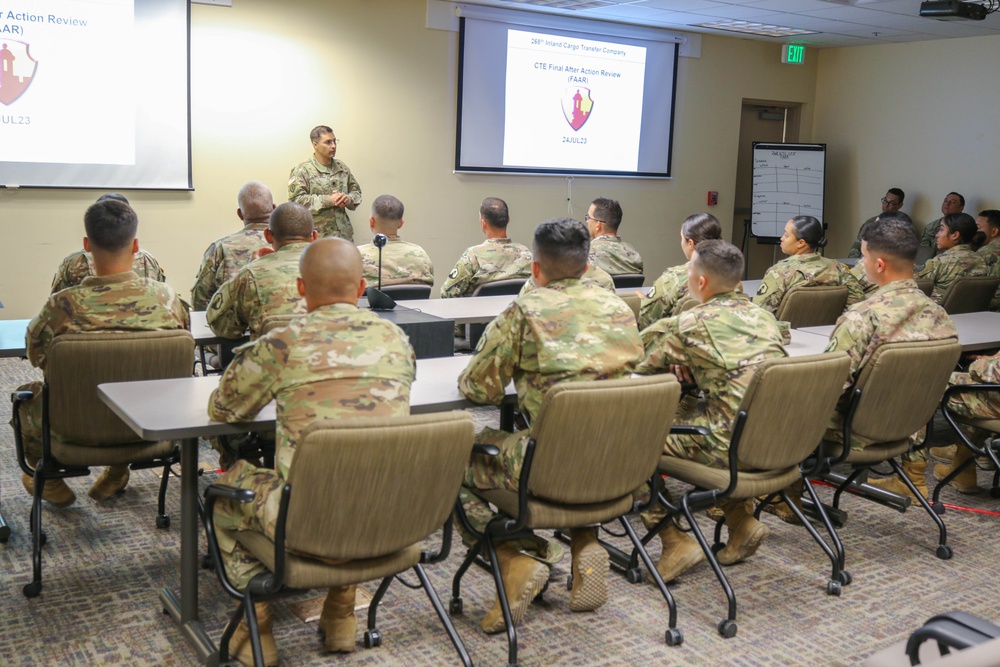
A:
x: 628, y: 280
x: 970, y: 294
x: 407, y: 291
x: 473, y: 332
x: 812, y: 306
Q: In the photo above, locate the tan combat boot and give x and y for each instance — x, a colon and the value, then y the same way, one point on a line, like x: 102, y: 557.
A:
x: 680, y: 553
x: 915, y: 471
x: 966, y: 480
x: 590, y: 570
x: 524, y: 578
x: 745, y: 532
x: 111, y: 481
x: 56, y: 491
x: 944, y: 454
x: 240, y: 646
x: 780, y: 508
x: 338, y: 622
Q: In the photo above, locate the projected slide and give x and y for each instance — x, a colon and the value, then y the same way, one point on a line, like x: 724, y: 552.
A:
x: 66, y: 82
x: 572, y: 103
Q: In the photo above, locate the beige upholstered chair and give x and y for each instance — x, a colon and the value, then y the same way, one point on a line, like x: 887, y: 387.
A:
x: 511, y: 286
x: 781, y: 421
x: 634, y: 301
x: 954, y: 639
x: 628, y: 280
x: 812, y: 306
x: 969, y: 294
x: 361, y: 492
x: 592, y: 444
x: 92, y: 435
x: 926, y: 286
x: 895, y: 395
x: 991, y: 425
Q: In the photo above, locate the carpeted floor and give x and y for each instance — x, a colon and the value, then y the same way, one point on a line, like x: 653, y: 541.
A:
x: 105, y: 563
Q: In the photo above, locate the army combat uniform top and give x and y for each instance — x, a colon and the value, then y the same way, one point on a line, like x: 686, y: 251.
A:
x: 804, y: 270
x: 955, y: 262
x: 265, y: 286
x: 721, y: 341
x: 402, y: 262
x: 594, y: 275
x: 855, y: 250
x: 311, y: 185
x: 667, y: 297
x: 223, y: 259
x: 336, y: 362
x: 78, y: 265
x: 490, y: 261
x: 614, y: 255
x: 991, y: 255
x: 929, y: 238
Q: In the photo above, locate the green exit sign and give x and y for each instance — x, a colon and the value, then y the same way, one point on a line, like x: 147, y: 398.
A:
x: 793, y: 53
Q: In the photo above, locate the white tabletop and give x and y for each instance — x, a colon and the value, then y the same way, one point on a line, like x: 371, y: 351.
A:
x: 976, y: 331
x: 750, y: 286
x: 804, y: 343
x: 12, y: 334
x: 465, y: 310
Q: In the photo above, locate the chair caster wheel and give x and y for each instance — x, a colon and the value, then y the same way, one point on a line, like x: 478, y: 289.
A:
x: 32, y: 590
x: 944, y: 552
x: 845, y: 578
x: 163, y: 522
x: 938, y: 507
x: 727, y: 628
x: 633, y: 575
x: 674, y: 637
x: 995, y: 492
x: 455, y: 606
x: 833, y: 588
x: 569, y: 582
x: 373, y: 639
x: 207, y: 562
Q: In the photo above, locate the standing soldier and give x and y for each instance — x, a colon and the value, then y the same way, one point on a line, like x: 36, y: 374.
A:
x: 326, y: 186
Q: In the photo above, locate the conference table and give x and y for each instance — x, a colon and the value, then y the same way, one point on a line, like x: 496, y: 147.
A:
x: 976, y: 331
x: 12, y: 334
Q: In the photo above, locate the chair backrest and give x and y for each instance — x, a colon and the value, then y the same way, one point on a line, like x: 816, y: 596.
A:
x: 368, y: 487
x: 901, y: 387
x: 970, y: 294
x: 634, y: 302
x: 275, y: 322
x: 628, y: 280
x: 599, y: 440
x: 500, y: 287
x: 78, y: 362
x: 789, y: 403
x: 812, y: 306
x: 407, y: 291
x: 926, y: 285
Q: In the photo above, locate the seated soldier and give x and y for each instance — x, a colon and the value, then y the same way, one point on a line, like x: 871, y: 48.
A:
x: 897, y: 311
x: 265, y: 286
x: 858, y: 270
x: 988, y: 223
x: 564, y: 329
x: 804, y: 267
x: 335, y: 362
x: 607, y: 250
x: 892, y: 201
x: 226, y: 256
x: 402, y: 262
x: 497, y: 258
x: 115, y: 298
x: 956, y: 256
x: 593, y: 275
x: 952, y: 203
x: 80, y: 264
x: 717, y: 345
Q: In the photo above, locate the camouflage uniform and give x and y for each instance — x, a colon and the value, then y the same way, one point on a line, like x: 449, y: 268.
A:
x: 667, y: 297
x: 804, y: 270
x: 614, y: 255
x: 311, y: 185
x: 568, y: 331
x: 335, y: 362
x: 402, y: 262
x: 855, y: 250
x: 991, y: 255
x: 490, y: 261
x: 118, y: 302
x: 265, y: 286
x: 896, y: 312
x: 223, y: 259
x: 867, y: 286
x: 929, y: 238
x: 594, y: 275
x: 979, y: 405
x: 955, y: 262
x: 78, y: 265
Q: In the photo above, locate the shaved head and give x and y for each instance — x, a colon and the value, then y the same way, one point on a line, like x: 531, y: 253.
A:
x: 330, y: 272
x: 255, y: 201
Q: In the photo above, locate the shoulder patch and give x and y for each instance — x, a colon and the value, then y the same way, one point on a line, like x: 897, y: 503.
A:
x: 762, y: 289
x: 454, y: 273
x: 651, y: 293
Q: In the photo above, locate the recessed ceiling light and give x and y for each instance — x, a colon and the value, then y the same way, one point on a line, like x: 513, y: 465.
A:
x: 752, y: 28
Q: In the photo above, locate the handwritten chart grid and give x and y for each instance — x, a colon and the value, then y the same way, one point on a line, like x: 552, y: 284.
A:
x: 787, y: 181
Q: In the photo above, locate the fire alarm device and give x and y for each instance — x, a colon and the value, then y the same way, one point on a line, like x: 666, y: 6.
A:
x: 713, y: 198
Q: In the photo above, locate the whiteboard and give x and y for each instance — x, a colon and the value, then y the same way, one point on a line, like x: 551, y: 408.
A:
x: 788, y: 180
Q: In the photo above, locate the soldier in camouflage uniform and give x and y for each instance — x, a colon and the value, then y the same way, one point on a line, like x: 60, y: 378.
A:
x: 497, y: 258
x: 114, y: 299
x: 326, y: 186
x: 802, y: 240
x: 265, y: 286
x: 594, y: 275
x: 226, y: 256
x: 402, y: 262
x: 957, y: 259
x: 563, y: 330
x: 953, y: 203
x: 78, y: 265
x: 892, y: 201
x: 607, y: 250
x: 335, y: 362
x: 897, y: 311
x: 988, y: 223
x: 717, y: 344
x: 669, y: 294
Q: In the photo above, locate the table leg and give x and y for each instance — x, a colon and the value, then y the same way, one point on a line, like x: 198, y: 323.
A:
x: 185, y: 611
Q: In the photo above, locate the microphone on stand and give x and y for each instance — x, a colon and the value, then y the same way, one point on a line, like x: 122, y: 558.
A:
x: 377, y: 299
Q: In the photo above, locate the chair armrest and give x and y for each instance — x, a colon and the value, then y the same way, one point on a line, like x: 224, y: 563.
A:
x: 685, y: 429
x: 948, y: 633
x: 229, y: 493
x: 16, y: 399
x: 21, y: 396
x: 213, y: 493
x: 431, y: 557
x: 951, y: 392
x: 485, y: 450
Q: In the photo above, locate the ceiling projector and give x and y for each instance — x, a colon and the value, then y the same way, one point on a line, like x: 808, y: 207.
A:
x: 953, y: 10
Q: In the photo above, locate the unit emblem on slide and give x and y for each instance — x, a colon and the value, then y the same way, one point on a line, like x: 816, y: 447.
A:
x: 16, y: 70
x: 576, y: 104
